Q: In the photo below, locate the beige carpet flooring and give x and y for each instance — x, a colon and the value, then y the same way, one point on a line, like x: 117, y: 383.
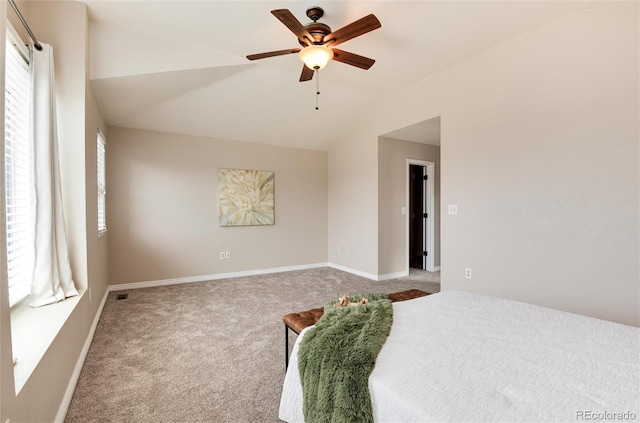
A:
x: 207, y: 351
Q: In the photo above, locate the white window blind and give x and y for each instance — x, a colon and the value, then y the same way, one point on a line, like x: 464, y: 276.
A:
x: 102, y: 186
x: 19, y: 189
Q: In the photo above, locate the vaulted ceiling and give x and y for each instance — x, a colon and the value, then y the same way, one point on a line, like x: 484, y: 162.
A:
x: 181, y: 67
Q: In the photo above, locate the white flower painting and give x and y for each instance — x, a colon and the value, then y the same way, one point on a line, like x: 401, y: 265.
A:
x: 246, y: 197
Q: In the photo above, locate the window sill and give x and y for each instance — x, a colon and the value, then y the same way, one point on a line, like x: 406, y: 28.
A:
x: 32, y: 332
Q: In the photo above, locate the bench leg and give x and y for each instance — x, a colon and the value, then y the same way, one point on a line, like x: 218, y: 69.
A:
x: 286, y: 348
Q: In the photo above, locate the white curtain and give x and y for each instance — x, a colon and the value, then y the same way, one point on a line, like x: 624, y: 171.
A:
x: 52, y: 281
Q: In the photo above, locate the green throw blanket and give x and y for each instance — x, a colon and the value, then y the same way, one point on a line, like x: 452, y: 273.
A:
x: 336, y: 357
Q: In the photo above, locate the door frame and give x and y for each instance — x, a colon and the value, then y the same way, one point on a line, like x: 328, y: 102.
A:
x: 429, y: 207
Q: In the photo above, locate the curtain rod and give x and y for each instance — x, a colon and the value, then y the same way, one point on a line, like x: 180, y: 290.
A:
x: 36, y: 44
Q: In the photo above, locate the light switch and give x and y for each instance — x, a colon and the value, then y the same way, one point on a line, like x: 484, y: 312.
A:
x: 404, y: 210
x: 453, y: 209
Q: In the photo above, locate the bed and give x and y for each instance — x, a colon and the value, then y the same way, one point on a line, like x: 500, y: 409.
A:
x: 458, y: 356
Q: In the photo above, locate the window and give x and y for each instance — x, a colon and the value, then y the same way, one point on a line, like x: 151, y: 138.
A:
x: 102, y: 191
x: 19, y: 189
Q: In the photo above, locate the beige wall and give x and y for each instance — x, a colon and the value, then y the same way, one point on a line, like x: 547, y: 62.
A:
x: 64, y: 25
x: 392, y: 193
x: 162, y: 205
x: 540, y: 153
x: 547, y: 187
x: 23, y: 6
x: 97, y: 247
x: 353, y: 204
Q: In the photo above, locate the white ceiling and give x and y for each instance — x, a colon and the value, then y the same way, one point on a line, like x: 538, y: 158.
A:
x: 180, y: 67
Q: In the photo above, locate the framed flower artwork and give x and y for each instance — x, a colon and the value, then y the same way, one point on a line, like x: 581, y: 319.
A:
x: 246, y: 197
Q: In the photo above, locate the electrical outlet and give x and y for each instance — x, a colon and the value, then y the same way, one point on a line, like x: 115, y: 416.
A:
x: 467, y: 273
x: 221, y: 255
x: 227, y: 254
x: 338, y: 250
x: 453, y: 209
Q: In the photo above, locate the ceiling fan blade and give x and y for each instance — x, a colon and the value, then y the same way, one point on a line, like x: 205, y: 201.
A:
x: 354, y: 29
x: 290, y: 21
x: 272, y: 53
x: 352, y: 59
x: 307, y: 74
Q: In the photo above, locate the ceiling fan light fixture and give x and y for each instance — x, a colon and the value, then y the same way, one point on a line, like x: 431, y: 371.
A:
x: 315, y: 57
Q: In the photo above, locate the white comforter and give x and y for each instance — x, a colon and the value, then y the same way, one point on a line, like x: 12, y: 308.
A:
x: 462, y: 357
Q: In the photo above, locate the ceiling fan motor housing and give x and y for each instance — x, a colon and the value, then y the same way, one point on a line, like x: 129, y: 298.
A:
x: 318, y: 31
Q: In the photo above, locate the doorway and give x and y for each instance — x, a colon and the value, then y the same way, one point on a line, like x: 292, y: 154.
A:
x: 420, y: 216
x: 416, y: 219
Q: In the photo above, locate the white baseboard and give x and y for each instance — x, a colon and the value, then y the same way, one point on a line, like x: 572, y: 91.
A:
x: 216, y: 276
x: 71, y: 387
x: 204, y: 278
x: 354, y: 271
x: 395, y: 275
x: 373, y: 277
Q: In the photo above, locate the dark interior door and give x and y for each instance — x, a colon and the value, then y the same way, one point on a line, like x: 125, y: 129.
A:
x: 416, y: 220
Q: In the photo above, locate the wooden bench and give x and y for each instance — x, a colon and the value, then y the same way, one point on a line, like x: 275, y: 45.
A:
x: 302, y: 319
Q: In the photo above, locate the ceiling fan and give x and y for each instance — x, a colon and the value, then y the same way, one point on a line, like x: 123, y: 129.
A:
x: 318, y: 41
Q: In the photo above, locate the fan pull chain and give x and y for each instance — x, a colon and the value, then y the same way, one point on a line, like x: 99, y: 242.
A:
x: 317, y: 87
